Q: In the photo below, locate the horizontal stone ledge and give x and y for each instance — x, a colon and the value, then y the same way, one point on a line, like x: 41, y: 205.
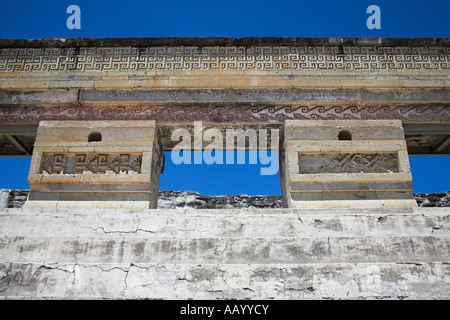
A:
x: 86, y: 189
x: 350, y: 177
x: 239, y: 211
x: 91, y: 205
x: 218, y: 41
x: 53, y: 96
x: 143, y: 178
x: 173, y: 96
x: 239, y: 281
x: 376, y: 204
x: 354, y: 195
x: 249, y: 81
x: 348, y: 186
x: 119, y: 249
x: 257, y: 95
x: 225, y: 223
x: 184, y: 281
x: 86, y: 195
x: 218, y: 113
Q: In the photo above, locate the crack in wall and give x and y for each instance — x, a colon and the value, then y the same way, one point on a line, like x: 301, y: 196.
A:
x: 122, y: 232
x: 10, y: 280
x: 252, y: 285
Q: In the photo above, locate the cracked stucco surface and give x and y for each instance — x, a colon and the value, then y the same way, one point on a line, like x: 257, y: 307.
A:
x: 225, y: 253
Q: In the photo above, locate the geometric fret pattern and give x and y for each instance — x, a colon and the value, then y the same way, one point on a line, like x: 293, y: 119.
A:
x: 225, y: 58
x: 211, y: 113
x: 91, y: 163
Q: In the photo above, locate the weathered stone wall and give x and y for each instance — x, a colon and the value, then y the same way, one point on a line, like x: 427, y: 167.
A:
x: 225, y: 253
x: 436, y: 199
x: 193, y: 200
x: 13, y: 198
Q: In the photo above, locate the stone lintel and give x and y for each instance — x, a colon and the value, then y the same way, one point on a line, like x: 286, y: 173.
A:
x: 313, y: 96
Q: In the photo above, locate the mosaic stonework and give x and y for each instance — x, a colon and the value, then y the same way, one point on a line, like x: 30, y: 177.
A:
x: 210, y: 113
x: 91, y: 163
x: 348, y: 163
x: 225, y: 58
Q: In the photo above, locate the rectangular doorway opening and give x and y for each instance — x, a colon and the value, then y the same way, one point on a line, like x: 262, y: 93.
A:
x: 220, y: 179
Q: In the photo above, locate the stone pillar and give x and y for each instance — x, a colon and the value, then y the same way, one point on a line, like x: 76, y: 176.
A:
x: 345, y: 164
x: 95, y: 164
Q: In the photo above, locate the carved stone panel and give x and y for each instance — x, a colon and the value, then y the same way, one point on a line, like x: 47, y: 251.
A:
x: 348, y: 163
x: 95, y: 163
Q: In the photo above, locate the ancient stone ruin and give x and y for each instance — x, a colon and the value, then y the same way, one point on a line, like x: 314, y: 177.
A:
x: 343, y: 114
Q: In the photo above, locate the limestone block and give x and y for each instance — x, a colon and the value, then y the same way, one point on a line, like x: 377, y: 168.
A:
x: 76, y: 133
x: 345, y: 164
x: 91, y: 164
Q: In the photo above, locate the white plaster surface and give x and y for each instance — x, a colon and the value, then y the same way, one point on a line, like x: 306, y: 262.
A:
x: 225, y: 253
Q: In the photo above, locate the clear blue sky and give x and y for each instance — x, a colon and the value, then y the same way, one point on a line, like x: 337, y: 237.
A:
x: 233, y: 18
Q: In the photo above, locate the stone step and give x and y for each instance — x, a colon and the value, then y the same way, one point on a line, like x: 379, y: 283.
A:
x: 223, y: 281
x: 225, y: 250
x: 225, y: 253
x: 225, y: 223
